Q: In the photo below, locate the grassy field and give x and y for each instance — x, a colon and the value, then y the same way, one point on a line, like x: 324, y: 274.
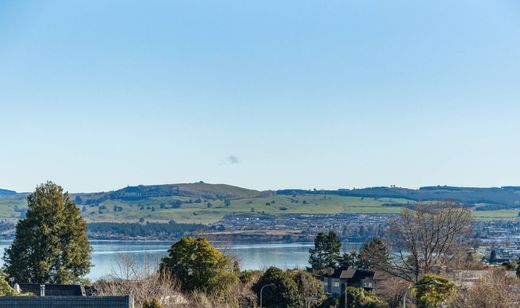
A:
x: 201, y: 213
x: 160, y: 209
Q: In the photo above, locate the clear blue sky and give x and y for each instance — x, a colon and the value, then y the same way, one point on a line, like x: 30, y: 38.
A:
x: 96, y: 95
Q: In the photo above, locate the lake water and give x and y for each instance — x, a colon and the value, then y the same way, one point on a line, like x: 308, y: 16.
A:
x: 107, y: 255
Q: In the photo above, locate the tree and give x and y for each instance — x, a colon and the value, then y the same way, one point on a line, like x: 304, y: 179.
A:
x: 425, y: 238
x: 325, y: 252
x: 200, y: 267
x: 7, y: 290
x: 360, y: 298
x: 284, y: 293
x: 310, y: 289
x: 348, y: 259
x: 493, y: 255
x: 51, y: 244
x: 292, y: 288
x: 433, y: 295
x: 372, y: 253
x: 495, y: 289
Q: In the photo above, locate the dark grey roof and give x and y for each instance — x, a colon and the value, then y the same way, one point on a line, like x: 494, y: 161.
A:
x: 347, y: 274
x: 53, y: 289
x: 351, y: 274
x: 65, y: 302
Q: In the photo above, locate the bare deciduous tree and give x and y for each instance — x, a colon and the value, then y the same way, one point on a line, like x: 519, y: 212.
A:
x: 495, y: 290
x: 141, y: 283
x: 423, y: 239
x: 391, y: 290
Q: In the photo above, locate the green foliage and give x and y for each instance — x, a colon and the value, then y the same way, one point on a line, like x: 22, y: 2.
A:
x: 348, y: 259
x: 373, y: 254
x: 200, y: 267
x: 154, y: 303
x: 360, y: 298
x: 433, y: 295
x: 284, y: 291
x: 325, y: 252
x: 292, y: 288
x: 51, y: 244
x: 248, y: 275
x: 309, y: 288
x: 6, y: 290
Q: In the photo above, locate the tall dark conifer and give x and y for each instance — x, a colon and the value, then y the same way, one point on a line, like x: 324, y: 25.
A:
x: 325, y: 252
x: 51, y: 244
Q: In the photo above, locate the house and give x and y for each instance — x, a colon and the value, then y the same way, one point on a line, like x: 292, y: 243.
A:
x: 62, y: 296
x: 335, y: 281
x: 51, y: 289
x: 66, y: 301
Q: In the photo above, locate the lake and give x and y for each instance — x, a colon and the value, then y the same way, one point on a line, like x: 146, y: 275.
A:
x: 107, y: 255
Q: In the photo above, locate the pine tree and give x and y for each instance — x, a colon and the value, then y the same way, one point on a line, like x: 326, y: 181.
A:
x: 51, y: 244
x: 325, y: 252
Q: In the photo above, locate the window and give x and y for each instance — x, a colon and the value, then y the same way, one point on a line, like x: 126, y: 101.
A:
x: 336, y: 284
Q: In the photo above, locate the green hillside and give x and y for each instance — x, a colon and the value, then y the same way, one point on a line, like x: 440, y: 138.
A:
x: 206, y: 203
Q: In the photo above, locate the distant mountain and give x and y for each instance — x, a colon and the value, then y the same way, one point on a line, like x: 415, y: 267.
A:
x: 5, y: 192
x: 483, y: 198
x: 192, y: 190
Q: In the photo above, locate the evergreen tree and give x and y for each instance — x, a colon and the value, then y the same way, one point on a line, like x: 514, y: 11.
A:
x: 200, y: 267
x: 373, y: 254
x: 348, y: 259
x: 325, y: 252
x: 51, y: 244
x: 291, y: 288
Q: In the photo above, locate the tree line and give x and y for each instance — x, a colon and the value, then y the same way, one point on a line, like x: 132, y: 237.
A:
x: 147, y: 229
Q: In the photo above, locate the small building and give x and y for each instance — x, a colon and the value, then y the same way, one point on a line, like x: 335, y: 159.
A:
x: 335, y: 281
x: 66, y: 301
x: 51, y: 289
x: 62, y: 296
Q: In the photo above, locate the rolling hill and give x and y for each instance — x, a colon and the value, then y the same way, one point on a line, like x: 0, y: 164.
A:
x: 5, y: 192
x: 207, y: 203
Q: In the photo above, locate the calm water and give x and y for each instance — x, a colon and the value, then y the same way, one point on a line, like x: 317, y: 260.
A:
x: 107, y: 255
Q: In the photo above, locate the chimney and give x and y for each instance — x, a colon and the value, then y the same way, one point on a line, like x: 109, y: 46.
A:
x: 42, y: 290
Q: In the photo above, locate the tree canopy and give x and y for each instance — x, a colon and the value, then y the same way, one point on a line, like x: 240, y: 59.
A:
x: 325, y: 252
x: 51, y: 244
x: 432, y: 295
x: 200, y: 267
x: 292, y: 288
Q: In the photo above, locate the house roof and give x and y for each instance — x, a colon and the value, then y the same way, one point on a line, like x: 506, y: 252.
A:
x: 65, y: 301
x: 348, y: 274
x: 351, y: 274
x: 53, y: 289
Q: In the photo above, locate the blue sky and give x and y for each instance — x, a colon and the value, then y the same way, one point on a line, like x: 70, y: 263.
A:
x: 96, y: 95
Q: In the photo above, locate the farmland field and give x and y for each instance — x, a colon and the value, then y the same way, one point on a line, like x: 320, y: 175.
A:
x: 200, y: 210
